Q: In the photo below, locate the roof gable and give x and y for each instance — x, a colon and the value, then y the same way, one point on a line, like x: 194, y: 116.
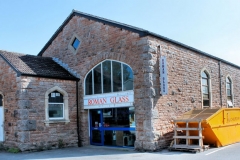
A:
x: 140, y: 31
x: 36, y: 66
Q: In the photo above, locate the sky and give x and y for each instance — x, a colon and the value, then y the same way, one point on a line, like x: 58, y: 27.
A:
x: 212, y: 26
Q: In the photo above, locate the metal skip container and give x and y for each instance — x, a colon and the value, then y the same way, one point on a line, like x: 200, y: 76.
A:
x: 198, y: 129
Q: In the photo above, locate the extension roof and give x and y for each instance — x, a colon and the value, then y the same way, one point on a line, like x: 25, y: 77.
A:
x: 29, y: 65
x: 141, y: 32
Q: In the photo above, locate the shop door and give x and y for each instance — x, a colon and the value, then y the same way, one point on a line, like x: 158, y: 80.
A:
x: 1, y: 123
x: 96, y: 127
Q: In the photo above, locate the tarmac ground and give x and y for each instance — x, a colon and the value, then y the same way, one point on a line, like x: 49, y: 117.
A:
x: 109, y: 153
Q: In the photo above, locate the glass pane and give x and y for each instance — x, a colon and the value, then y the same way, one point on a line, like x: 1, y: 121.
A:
x: 119, y: 117
x: 106, y: 66
x: 205, y: 96
x: 55, y: 97
x: 96, y: 118
x: 228, y: 86
x: 127, y: 78
x: 205, y: 89
x: 96, y: 136
x: 117, y: 76
x: 229, y: 98
x: 228, y: 80
x: 228, y: 92
x: 88, y: 84
x: 204, y: 75
x: 55, y: 110
x: 129, y: 138
x: 132, y: 117
x: 75, y: 43
x: 97, y: 80
x: 119, y: 138
x: 206, y: 103
x: 204, y: 82
x: 1, y: 98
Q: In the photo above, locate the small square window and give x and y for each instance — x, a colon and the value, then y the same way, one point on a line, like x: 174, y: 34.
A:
x: 75, y: 43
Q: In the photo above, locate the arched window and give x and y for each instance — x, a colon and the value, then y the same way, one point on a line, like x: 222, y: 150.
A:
x: 205, y: 89
x: 109, y: 76
x: 56, y: 106
x: 229, y: 92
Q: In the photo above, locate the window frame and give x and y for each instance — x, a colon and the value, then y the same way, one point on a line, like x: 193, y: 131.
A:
x: 112, y: 85
x: 231, y: 91
x: 65, y: 118
x: 208, y: 87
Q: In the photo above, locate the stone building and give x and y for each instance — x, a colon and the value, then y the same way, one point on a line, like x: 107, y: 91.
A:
x: 124, y: 85
x: 28, y: 86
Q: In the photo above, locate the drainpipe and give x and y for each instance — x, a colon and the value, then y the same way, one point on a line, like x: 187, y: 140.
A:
x: 220, y: 82
x: 78, y: 134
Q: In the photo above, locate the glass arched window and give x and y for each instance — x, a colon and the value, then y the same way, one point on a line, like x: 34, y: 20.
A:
x: 55, y: 105
x: 109, y: 76
x: 205, y: 89
x: 229, y: 92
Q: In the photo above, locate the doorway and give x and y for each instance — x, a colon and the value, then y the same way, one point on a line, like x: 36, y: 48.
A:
x: 112, y: 127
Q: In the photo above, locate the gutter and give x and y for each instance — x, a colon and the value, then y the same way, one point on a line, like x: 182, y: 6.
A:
x: 78, y: 134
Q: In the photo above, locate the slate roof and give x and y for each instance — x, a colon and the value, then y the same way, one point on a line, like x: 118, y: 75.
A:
x: 140, y: 31
x: 30, y: 65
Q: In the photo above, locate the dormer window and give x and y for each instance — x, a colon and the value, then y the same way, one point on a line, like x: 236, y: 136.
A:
x: 75, y: 43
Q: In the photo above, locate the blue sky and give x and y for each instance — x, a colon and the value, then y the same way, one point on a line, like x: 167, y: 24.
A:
x: 212, y: 26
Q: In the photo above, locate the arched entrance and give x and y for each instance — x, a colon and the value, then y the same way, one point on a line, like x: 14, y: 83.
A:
x: 109, y: 97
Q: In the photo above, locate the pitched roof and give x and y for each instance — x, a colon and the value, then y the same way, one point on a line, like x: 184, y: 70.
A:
x: 36, y: 66
x: 140, y: 31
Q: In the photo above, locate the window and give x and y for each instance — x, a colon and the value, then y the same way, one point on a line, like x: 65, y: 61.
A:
x: 109, y: 76
x: 229, y: 92
x: 75, y: 43
x: 56, y: 106
x: 205, y: 89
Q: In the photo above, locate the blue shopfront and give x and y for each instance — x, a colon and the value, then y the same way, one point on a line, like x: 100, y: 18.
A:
x: 109, y: 99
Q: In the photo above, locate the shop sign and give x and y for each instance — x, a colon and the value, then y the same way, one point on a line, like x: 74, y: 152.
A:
x: 163, y: 75
x: 109, y: 100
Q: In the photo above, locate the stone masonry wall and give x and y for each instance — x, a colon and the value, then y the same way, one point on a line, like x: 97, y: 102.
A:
x: 100, y: 42
x: 8, y: 87
x: 184, y: 86
x: 154, y: 112
x: 30, y: 131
